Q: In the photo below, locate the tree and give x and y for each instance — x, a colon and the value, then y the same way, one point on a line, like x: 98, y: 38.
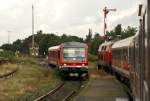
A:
x: 118, y: 33
x: 88, y: 39
x: 7, y: 47
x: 48, y: 40
x: 89, y: 36
x: 44, y: 41
x: 112, y: 35
x: 95, y: 44
x: 130, y: 31
x: 118, y: 29
x: 40, y: 32
x: 17, y: 45
x: 64, y: 38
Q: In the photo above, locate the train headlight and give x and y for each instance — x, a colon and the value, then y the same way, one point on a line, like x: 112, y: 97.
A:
x: 64, y: 64
x: 83, y: 64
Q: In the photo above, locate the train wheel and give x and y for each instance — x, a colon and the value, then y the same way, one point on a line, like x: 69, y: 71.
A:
x: 99, y: 66
x: 111, y: 71
x: 86, y: 77
x: 80, y: 75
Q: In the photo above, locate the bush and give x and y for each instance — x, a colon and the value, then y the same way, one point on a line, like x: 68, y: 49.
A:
x: 7, y: 55
x: 92, y: 58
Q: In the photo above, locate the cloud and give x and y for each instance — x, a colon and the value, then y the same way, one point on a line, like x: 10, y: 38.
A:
x: 123, y: 15
x: 73, y: 17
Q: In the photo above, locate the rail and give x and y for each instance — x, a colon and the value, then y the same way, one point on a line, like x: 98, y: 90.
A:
x: 8, y: 74
x: 63, y: 92
x: 51, y: 92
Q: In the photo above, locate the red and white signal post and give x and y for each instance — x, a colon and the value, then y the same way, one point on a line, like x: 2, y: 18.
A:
x: 106, y: 11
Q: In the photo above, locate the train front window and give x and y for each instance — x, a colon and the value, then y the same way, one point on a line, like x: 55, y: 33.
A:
x: 73, y: 54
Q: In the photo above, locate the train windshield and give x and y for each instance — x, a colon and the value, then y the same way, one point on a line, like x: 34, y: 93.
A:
x: 73, y: 54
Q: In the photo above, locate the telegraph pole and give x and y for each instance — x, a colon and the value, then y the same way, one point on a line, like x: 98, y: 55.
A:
x: 106, y: 11
x: 34, y: 49
x: 33, y: 27
x: 8, y: 37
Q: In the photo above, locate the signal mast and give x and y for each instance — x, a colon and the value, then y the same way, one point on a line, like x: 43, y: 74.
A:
x: 106, y: 11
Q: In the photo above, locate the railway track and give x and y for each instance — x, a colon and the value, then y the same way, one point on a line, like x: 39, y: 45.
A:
x: 63, y: 92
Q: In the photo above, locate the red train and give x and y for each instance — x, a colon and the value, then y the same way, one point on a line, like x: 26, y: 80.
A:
x: 130, y: 59
x: 71, y: 58
x: 105, y: 56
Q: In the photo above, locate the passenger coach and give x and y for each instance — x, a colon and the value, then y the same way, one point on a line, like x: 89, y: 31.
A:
x: 122, y: 56
x: 71, y: 58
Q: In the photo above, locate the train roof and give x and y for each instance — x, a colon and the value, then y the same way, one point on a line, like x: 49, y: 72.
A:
x: 123, y: 43
x: 73, y: 44
x: 104, y: 44
x: 54, y: 48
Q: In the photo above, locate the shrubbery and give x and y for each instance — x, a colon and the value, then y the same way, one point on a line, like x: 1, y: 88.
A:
x: 7, y: 55
x: 92, y: 58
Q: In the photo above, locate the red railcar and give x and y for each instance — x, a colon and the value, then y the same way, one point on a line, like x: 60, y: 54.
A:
x: 71, y: 58
x: 121, y: 58
x: 105, y: 56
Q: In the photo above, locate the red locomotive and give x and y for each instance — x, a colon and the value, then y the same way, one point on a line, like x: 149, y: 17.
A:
x: 105, y: 56
x: 71, y: 58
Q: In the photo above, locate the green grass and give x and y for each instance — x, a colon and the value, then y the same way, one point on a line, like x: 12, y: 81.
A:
x: 29, y: 82
x: 7, y: 55
x: 92, y: 60
x: 7, y: 68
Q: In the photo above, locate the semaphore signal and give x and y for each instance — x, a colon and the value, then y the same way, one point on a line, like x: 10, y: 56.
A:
x: 106, y: 11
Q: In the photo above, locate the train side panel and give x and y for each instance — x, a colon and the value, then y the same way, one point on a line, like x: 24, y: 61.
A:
x: 121, y: 59
x: 141, y: 69
x: 53, y: 55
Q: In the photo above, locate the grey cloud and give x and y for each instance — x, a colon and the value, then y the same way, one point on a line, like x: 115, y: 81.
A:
x: 64, y: 16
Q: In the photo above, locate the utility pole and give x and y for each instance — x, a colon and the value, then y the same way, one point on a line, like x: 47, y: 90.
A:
x: 34, y: 49
x: 8, y: 37
x: 106, y: 11
x: 33, y: 27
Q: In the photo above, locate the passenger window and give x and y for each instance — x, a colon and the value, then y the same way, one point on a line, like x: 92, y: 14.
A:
x: 102, y: 47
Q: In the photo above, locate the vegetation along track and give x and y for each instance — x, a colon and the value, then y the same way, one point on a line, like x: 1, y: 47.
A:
x: 63, y: 92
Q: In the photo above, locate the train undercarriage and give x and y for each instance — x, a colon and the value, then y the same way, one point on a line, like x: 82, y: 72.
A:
x: 74, y: 71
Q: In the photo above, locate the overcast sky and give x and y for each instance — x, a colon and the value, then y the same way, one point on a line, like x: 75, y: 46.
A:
x: 72, y: 17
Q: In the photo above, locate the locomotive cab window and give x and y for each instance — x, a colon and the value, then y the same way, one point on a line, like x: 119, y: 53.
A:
x: 73, y: 54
